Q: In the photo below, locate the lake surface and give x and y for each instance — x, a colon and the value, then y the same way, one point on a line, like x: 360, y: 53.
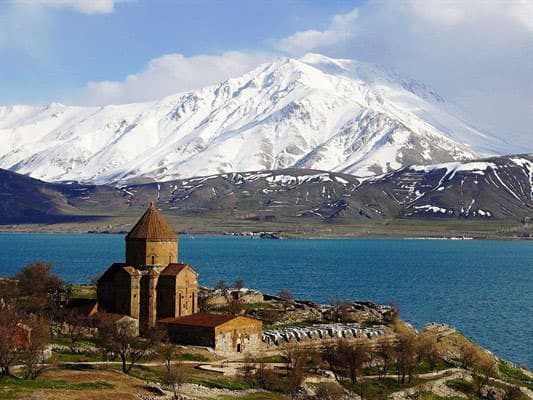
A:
x: 483, y: 288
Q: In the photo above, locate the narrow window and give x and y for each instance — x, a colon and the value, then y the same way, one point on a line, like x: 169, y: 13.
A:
x: 153, y: 260
x: 193, y: 303
x: 169, y: 259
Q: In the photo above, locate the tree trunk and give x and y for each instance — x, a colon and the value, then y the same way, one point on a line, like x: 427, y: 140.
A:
x: 124, y: 366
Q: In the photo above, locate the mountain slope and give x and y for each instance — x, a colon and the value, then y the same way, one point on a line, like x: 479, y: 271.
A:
x: 491, y: 189
x: 315, y: 112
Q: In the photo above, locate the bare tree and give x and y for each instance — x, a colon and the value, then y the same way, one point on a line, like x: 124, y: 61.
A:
x: 406, y: 356
x: 33, y: 351
x: 247, y: 371
x: 295, y: 358
x: 40, y: 292
x: 329, y: 391
x: 428, y: 349
x: 386, y: 354
x: 75, y: 324
x: 36, y: 279
x: 8, y: 347
x: 119, y: 341
x: 485, y: 368
x: 468, y: 355
x: 354, y: 357
x: 8, y: 292
x: 286, y: 296
x: 339, y: 309
x: 332, y: 358
x: 174, y: 375
x: 221, y: 285
x: 235, y: 305
x: 239, y: 284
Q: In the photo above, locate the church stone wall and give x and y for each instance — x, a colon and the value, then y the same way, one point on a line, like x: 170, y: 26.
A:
x: 166, y: 297
x: 239, y: 335
x: 143, y: 252
x: 187, y: 288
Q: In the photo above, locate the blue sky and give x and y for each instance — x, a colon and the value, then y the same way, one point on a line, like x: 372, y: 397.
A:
x: 477, y: 54
x: 70, y: 48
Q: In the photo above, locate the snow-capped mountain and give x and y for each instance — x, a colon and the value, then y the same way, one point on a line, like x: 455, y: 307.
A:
x: 314, y: 112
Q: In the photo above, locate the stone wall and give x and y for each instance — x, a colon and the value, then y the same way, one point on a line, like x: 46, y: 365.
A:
x: 166, y: 297
x: 220, y: 298
x: 143, y: 252
x: 321, y: 334
x: 239, y: 335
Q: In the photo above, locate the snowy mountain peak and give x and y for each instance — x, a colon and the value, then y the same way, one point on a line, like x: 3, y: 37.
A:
x: 314, y: 112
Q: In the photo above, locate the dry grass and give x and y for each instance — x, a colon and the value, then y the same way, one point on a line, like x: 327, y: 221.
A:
x: 123, y: 386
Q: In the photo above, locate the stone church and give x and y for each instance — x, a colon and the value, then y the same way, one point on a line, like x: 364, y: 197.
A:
x: 151, y: 284
x: 153, y: 287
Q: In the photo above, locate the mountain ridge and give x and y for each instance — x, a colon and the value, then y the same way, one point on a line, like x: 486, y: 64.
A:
x: 315, y: 112
x: 493, y: 189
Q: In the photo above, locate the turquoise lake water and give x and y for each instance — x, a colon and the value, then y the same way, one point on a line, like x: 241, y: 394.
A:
x: 483, y: 288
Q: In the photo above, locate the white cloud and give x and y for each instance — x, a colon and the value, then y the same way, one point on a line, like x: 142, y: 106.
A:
x: 82, y: 6
x: 340, y: 29
x: 476, y: 53
x: 172, y: 73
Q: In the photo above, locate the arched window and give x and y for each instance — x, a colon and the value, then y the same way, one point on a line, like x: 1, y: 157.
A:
x: 153, y: 260
x: 170, y: 259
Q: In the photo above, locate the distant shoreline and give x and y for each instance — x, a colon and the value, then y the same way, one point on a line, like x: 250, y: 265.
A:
x: 288, y: 237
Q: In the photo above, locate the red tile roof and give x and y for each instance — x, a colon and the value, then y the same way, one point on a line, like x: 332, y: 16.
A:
x: 207, y: 320
x: 175, y: 268
x: 152, y: 226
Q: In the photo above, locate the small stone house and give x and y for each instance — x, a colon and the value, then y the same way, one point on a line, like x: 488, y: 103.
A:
x: 123, y: 322
x: 224, y: 333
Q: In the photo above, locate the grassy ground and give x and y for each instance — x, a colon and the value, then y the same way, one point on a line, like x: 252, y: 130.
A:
x: 376, y: 389
x: 80, y: 291
x: 257, y: 396
x: 66, y: 384
x: 515, y: 375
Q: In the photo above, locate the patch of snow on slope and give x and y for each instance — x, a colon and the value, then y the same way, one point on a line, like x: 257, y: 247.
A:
x: 315, y: 112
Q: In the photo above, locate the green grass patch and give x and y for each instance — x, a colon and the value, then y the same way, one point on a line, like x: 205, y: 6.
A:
x: 273, y: 359
x: 65, y: 341
x: 515, y: 375
x: 75, y: 357
x: 141, y: 372
x: 461, y: 386
x: 15, y: 388
x: 433, y: 396
x: 193, y: 357
x: 254, y: 306
x: 378, y: 389
x: 83, y: 291
x: 256, y: 396
x: 219, y: 383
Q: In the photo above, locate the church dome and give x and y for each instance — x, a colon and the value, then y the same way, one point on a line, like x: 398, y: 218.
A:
x: 152, y: 227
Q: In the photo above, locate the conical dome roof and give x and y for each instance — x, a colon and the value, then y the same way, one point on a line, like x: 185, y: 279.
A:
x: 152, y: 226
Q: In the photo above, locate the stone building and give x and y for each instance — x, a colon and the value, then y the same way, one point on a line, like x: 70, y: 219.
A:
x: 151, y: 284
x: 224, y: 333
x: 152, y: 287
